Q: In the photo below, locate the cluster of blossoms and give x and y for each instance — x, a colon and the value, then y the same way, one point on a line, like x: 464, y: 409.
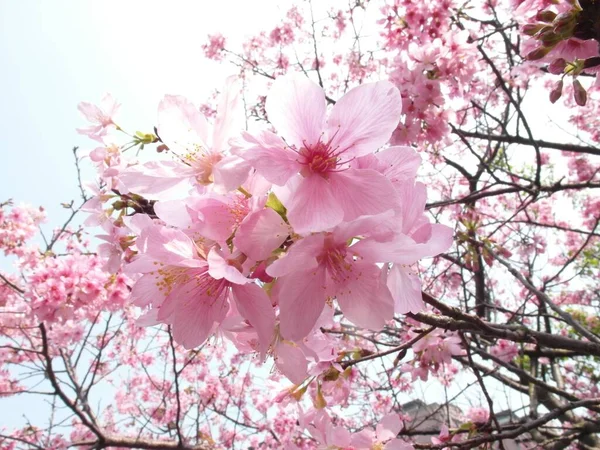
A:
x: 433, y: 64
x: 17, y: 226
x: 260, y: 236
x: 563, y: 35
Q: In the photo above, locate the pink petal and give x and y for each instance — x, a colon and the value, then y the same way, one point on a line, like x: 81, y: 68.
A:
x: 213, y: 217
x: 291, y: 362
x: 193, y: 312
x: 254, y: 305
x: 229, y: 114
x: 401, y: 163
x: 301, y: 254
x: 412, y: 204
x: 439, y: 238
x: 398, y: 444
x: 296, y: 107
x: 181, y: 125
x: 363, y: 439
x: 260, y: 233
x: 338, y: 436
x: 231, y: 172
x: 365, y: 301
x: 364, y: 119
x: 272, y: 158
x: 145, y: 292
x: 362, y: 192
x: 405, y: 288
x: 402, y: 249
x: 301, y: 299
x: 156, y: 179
x: 219, y: 268
x: 168, y: 245
x: 314, y: 207
x: 174, y: 213
x: 388, y: 427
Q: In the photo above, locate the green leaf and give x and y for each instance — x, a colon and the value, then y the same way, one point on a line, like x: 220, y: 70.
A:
x: 274, y: 203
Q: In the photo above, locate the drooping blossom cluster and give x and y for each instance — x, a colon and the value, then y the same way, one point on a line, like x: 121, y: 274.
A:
x: 562, y: 34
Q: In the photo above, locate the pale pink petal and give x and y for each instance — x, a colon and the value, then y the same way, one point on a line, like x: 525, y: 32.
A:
x: 388, y: 427
x: 405, y: 288
x: 398, y: 444
x: 229, y: 115
x: 168, y: 245
x: 365, y: 301
x: 402, y: 249
x: 146, y: 292
x: 401, y: 163
x: 148, y: 319
x: 291, y: 362
x: 364, y: 439
x: 90, y: 111
x: 219, y: 268
x: 364, y: 119
x: 296, y: 107
x: 413, y: 197
x: 157, y: 179
x: 314, y: 207
x: 254, y: 305
x: 174, y: 213
x: 231, y: 172
x: 181, y: 125
x: 213, y: 218
x: 437, y: 238
x: 380, y: 226
x: 362, y: 192
x: 301, y: 298
x: 192, y: 311
x: 272, y: 158
x: 260, y: 233
x: 338, y: 436
x: 303, y: 254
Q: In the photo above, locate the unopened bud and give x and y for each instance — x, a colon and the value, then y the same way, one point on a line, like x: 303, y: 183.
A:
x: 579, y: 93
x: 531, y: 29
x: 545, y: 16
x: 564, y: 24
x: 556, y: 92
x: 538, y: 53
x: 557, y: 66
x: 549, y: 38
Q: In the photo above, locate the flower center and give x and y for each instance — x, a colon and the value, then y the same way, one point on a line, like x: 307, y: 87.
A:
x: 318, y: 159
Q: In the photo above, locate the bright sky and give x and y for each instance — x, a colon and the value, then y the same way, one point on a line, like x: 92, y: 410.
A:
x: 56, y: 54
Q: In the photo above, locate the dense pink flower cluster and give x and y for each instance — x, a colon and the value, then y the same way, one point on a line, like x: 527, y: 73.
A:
x: 17, y: 226
x: 279, y: 228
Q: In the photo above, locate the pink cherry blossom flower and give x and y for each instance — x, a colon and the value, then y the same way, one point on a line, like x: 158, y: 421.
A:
x: 384, y: 436
x: 101, y: 117
x: 327, y: 190
x: 322, y: 266
x: 192, y: 290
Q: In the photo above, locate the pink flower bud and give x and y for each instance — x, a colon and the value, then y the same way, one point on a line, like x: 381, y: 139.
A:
x: 537, y: 53
x: 531, y: 29
x: 556, y: 92
x: 579, y: 93
x: 557, y: 66
x: 545, y: 16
